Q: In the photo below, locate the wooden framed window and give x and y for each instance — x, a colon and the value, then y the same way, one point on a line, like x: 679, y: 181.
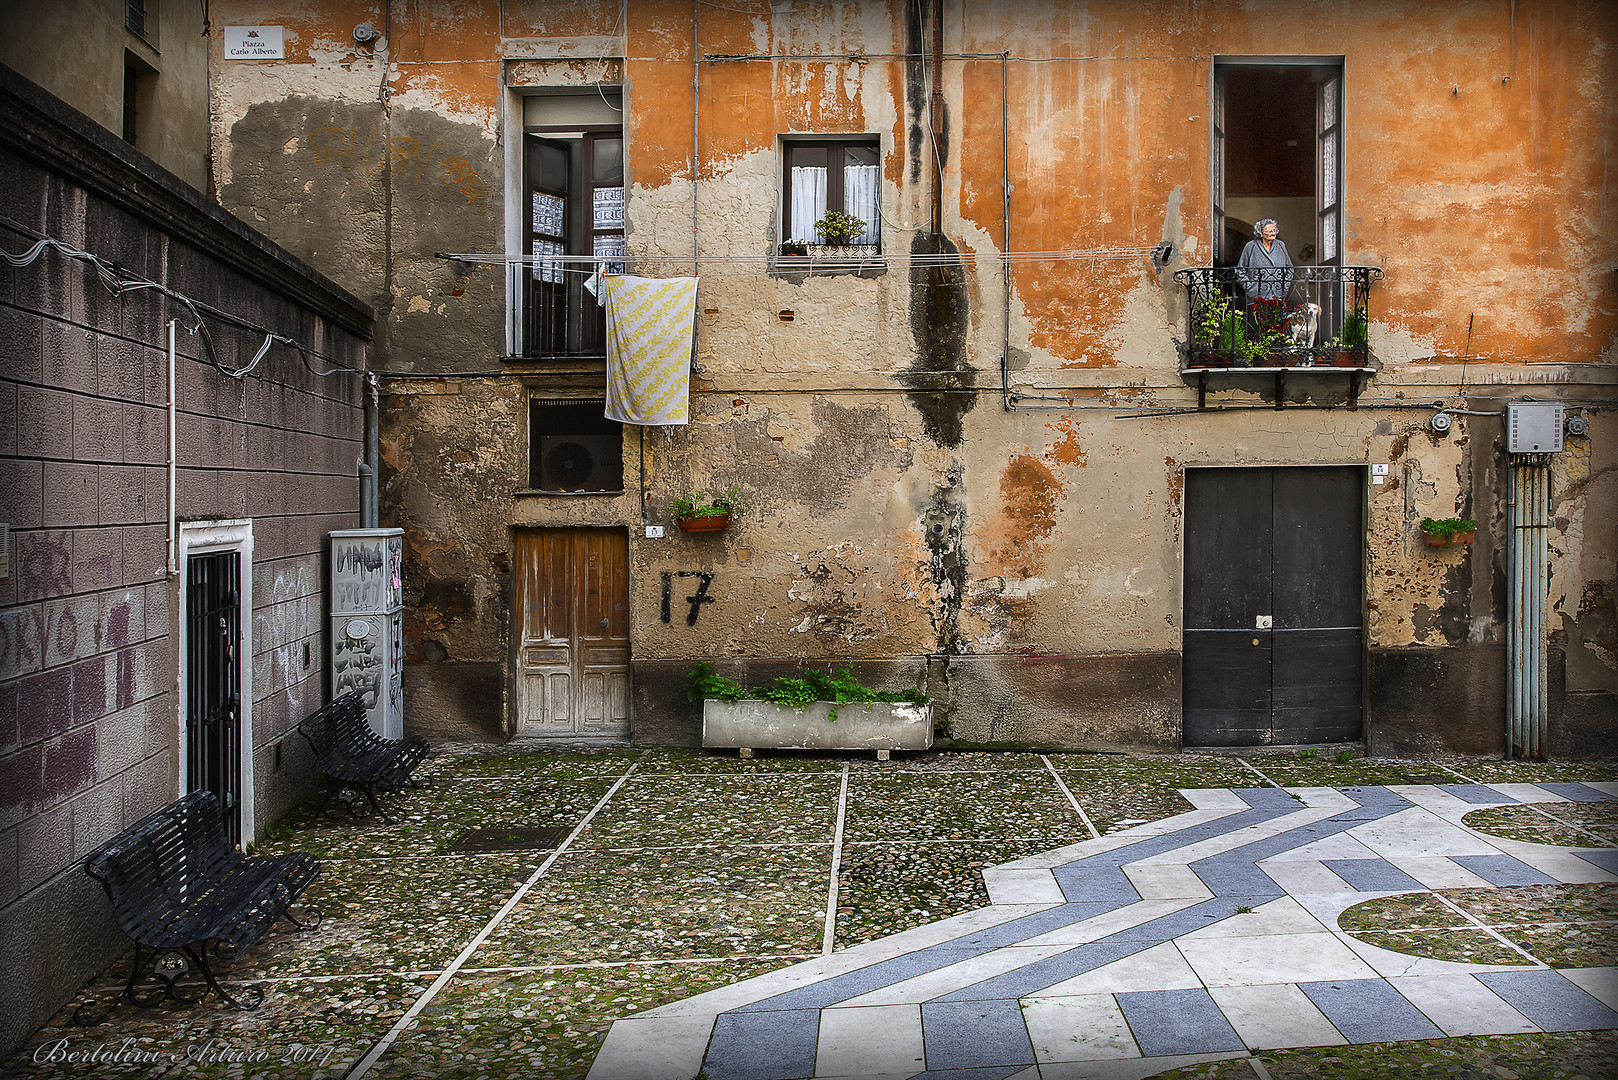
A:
x: 823, y: 175
x: 575, y: 183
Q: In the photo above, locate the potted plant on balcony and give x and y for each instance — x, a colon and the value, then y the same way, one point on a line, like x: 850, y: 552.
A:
x: 1444, y: 532
x: 798, y: 248
x: 696, y: 513
x: 819, y: 711
x: 1350, y: 346
x: 1220, y: 333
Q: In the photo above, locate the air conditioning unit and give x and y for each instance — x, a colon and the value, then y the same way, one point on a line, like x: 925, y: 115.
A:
x: 581, y: 462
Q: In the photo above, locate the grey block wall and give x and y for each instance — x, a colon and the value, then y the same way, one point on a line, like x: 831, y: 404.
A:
x: 89, y: 721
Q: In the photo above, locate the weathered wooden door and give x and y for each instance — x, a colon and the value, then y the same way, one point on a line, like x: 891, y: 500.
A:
x: 1274, y: 624
x: 572, y: 614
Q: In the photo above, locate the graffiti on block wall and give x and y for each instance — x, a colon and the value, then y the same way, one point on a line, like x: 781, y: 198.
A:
x: 401, y: 157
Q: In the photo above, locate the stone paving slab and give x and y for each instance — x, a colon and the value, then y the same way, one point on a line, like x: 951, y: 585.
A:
x: 695, y: 884
x: 1213, y: 933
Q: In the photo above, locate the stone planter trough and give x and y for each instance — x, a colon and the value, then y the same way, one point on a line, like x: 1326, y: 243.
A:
x: 881, y: 726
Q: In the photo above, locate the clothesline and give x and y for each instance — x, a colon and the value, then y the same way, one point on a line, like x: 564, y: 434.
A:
x: 591, y: 264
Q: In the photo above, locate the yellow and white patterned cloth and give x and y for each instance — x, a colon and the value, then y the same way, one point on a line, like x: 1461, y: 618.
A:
x: 650, y: 327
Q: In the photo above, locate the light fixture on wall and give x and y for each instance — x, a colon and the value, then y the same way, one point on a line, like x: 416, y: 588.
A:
x: 365, y: 33
x: 1440, y: 423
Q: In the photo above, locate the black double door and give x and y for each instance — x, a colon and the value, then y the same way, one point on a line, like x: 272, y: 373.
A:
x: 1274, y: 626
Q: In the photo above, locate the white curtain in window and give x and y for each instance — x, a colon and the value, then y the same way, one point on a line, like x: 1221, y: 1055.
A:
x: 860, y: 188
x: 808, y: 203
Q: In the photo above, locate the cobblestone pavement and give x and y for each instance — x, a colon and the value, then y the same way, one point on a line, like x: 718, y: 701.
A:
x: 670, y: 874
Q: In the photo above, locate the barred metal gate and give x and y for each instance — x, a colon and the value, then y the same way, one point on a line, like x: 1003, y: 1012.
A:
x: 213, y: 681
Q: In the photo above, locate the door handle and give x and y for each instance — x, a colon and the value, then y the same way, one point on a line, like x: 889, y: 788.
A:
x: 603, y: 624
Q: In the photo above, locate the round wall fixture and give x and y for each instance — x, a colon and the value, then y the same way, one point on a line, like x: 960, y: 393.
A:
x: 1577, y: 426
x: 1441, y: 423
x: 365, y: 33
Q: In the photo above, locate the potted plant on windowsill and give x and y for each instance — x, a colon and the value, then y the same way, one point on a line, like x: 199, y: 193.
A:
x: 838, y: 229
x: 795, y: 248
x: 818, y: 711
x: 1445, y: 532
x: 695, y: 513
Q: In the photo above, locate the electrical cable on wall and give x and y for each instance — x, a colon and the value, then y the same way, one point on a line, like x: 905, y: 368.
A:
x: 119, y: 283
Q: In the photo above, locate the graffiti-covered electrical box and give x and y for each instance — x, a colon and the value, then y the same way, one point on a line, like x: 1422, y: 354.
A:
x: 367, y: 623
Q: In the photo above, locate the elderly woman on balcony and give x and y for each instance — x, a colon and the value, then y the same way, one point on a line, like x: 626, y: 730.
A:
x: 1264, y: 270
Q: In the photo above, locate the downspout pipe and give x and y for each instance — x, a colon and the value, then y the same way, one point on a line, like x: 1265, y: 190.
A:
x: 1005, y: 238
x: 1527, y: 652
x: 368, y: 465
x: 174, y: 543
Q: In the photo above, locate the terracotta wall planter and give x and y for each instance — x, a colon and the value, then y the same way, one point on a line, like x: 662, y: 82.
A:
x: 1434, y: 540
x: 713, y: 523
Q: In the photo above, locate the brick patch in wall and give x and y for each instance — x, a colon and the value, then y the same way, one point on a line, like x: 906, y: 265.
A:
x: 44, y: 564
x: 98, y: 432
x: 72, y: 494
x: 69, y: 355
x: 90, y: 690
x: 98, y: 558
x: 70, y: 763
x: 45, y: 704
x: 24, y: 484
x: 22, y: 784
x: 71, y: 629
x: 22, y: 640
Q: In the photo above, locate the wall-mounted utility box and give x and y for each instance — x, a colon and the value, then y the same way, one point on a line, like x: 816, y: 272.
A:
x: 1533, y: 427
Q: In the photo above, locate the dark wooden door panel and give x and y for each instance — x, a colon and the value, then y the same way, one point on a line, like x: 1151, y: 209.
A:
x: 1227, y: 679
x: 1315, y: 581
x: 1227, y: 535
x: 1318, y: 680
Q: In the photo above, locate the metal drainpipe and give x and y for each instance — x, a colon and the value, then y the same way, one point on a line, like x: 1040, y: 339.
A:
x: 370, y: 466
x: 1527, y: 696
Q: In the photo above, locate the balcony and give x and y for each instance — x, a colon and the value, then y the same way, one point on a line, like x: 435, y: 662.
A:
x: 1302, y: 319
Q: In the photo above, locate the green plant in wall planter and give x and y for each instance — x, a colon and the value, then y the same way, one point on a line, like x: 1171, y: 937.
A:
x: 1443, y: 532
x: 839, y: 229
x: 696, y: 512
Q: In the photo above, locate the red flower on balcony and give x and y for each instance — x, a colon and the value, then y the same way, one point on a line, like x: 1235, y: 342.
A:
x: 1270, y: 313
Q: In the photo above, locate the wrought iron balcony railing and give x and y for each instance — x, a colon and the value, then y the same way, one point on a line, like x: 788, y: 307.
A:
x: 1277, y: 317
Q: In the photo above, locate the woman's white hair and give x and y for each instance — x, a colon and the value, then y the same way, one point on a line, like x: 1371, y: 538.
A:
x: 1258, y: 227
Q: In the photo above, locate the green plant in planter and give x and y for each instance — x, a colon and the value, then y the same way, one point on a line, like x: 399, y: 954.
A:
x: 1448, y: 528
x: 1354, y: 330
x: 839, y: 689
x: 696, y: 505
x: 838, y: 228
x: 794, y: 247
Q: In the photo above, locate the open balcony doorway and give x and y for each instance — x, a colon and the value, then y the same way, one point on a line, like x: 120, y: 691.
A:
x: 1277, y: 153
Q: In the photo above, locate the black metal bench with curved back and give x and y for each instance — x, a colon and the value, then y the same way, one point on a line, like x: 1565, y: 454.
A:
x: 351, y: 753
x: 177, y: 886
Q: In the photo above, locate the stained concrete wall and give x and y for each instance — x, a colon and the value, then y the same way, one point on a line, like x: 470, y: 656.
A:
x: 1022, y: 563
x: 89, y: 718
x: 77, y: 50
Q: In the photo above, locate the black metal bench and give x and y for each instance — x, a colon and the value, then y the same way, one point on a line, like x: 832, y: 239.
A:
x: 351, y: 753
x: 177, y: 887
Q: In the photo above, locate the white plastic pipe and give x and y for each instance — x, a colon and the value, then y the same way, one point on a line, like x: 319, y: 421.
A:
x: 174, y: 567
